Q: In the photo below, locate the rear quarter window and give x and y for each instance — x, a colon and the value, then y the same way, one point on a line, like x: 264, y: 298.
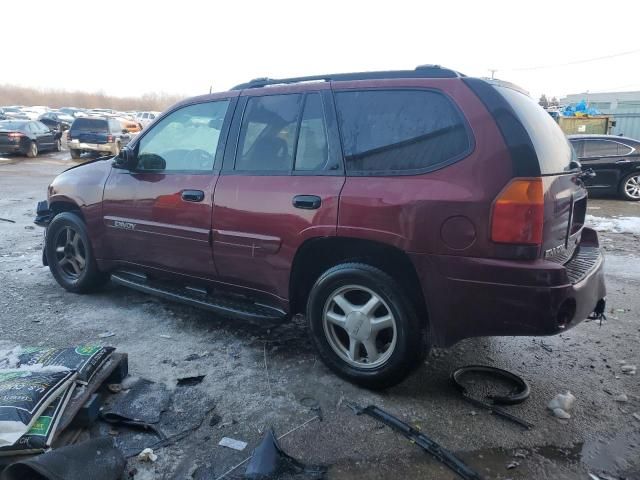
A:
x: 552, y: 148
x: 400, y: 131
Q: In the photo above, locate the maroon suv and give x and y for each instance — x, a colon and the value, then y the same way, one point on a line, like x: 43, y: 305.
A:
x: 397, y: 210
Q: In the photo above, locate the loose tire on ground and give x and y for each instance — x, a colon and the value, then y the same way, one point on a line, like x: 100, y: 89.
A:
x: 70, y: 256
x: 363, y: 325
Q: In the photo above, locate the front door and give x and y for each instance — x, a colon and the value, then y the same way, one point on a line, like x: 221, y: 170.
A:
x: 159, y: 213
x: 280, y: 186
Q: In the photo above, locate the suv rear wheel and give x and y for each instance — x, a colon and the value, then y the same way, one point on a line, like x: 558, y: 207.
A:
x: 364, y: 327
x: 70, y: 256
x: 630, y: 187
x: 75, y: 153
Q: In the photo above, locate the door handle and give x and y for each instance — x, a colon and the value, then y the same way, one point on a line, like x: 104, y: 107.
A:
x: 307, y: 202
x: 192, y: 195
x: 623, y: 161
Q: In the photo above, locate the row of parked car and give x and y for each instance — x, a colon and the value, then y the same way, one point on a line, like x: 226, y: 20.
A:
x: 29, y: 130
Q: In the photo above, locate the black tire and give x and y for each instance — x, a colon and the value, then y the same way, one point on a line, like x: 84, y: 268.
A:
x: 58, y: 145
x: 75, y: 154
x: 32, y: 151
x: 86, y: 277
x: 409, y: 346
x: 630, y: 187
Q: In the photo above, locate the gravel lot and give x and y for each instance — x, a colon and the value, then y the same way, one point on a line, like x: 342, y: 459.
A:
x: 260, y: 377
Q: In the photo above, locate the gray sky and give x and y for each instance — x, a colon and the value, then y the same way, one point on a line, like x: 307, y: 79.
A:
x: 135, y: 46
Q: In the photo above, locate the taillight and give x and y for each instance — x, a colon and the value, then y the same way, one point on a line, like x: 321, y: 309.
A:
x: 68, y: 135
x: 109, y: 138
x: 518, y: 213
x: 15, y: 135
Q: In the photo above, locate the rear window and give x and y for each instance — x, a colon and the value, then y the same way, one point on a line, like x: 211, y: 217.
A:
x: 90, y: 125
x: 12, y: 125
x: 553, y: 150
x: 400, y: 131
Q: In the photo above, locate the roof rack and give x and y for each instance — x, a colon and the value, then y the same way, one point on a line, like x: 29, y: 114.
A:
x: 422, y: 71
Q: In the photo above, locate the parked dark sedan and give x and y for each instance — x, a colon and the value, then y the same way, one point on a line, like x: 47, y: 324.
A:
x: 56, y: 120
x: 615, y: 161
x: 27, y: 137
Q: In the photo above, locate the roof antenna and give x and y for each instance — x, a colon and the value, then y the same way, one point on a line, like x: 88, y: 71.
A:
x: 210, y: 87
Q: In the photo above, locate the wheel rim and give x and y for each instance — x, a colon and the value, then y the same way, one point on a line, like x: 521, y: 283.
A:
x: 359, y: 326
x: 34, y: 149
x: 71, y: 253
x: 632, y: 187
x: 58, y: 145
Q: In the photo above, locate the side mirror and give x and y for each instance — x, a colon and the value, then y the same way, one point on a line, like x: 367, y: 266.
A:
x: 575, y: 165
x: 125, y: 159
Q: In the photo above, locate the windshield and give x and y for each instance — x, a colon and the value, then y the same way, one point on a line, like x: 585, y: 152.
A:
x: 9, y: 125
x: 553, y: 150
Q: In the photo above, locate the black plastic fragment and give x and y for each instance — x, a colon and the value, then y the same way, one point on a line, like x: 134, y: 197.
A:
x: 96, y: 459
x: 270, y: 462
x: 190, y: 381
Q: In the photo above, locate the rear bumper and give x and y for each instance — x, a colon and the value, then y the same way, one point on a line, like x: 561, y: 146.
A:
x: 6, y: 148
x: 471, y: 297
x: 94, y: 147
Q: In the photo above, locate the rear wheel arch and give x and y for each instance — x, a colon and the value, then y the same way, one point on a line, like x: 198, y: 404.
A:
x: 317, y: 255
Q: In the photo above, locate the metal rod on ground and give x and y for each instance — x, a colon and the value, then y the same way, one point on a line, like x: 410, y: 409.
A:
x: 317, y: 417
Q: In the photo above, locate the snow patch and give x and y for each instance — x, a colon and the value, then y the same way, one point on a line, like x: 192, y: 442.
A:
x: 614, y: 224
x: 10, y: 358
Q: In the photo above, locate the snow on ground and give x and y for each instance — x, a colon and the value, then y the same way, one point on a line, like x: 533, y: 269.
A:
x: 614, y: 224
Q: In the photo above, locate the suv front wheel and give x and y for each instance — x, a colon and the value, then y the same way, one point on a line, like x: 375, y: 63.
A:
x: 70, y: 256
x: 363, y: 325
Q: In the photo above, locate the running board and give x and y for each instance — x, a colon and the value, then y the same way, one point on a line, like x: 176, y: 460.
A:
x: 224, y: 305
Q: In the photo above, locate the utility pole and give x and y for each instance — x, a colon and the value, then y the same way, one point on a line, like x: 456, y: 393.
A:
x: 493, y: 72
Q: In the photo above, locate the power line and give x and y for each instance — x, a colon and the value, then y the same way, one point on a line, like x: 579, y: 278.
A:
x: 577, y: 62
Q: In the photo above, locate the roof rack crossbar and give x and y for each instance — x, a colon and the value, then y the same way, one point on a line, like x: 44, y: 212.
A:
x: 423, y: 71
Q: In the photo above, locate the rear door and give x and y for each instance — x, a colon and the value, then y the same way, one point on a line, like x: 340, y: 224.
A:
x: 279, y: 187
x: 159, y: 213
x: 45, y: 135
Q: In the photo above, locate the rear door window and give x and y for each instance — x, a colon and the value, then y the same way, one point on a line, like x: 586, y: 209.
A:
x: 268, y: 132
x: 400, y: 131
x: 600, y: 148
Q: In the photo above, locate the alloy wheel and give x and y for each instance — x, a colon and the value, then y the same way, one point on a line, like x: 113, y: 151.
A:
x: 632, y: 187
x: 359, y: 326
x: 71, y: 253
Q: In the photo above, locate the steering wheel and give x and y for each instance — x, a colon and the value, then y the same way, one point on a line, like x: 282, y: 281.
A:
x: 198, y: 159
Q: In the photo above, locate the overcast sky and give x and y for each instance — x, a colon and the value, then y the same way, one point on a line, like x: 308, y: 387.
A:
x: 131, y: 47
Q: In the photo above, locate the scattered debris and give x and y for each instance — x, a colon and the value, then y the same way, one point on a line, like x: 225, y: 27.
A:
x: 622, y: 398
x: 427, y: 444
x: 190, y: 381
x: 147, y: 455
x: 215, y: 420
x: 636, y: 416
x: 560, y: 413
x: 564, y: 401
x: 270, y: 461
x: 232, y: 443
x: 114, y: 387
x: 512, y: 465
x: 195, y: 356
x: 165, y: 336
x: 546, y: 347
x: 7, y: 220
x: 628, y: 369
x: 106, y: 335
x: 29, y: 227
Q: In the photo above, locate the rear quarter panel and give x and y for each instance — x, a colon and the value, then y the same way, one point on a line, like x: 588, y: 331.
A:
x: 414, y: 212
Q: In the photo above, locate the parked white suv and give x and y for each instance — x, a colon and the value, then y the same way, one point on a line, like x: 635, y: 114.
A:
x: 145, y: 118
